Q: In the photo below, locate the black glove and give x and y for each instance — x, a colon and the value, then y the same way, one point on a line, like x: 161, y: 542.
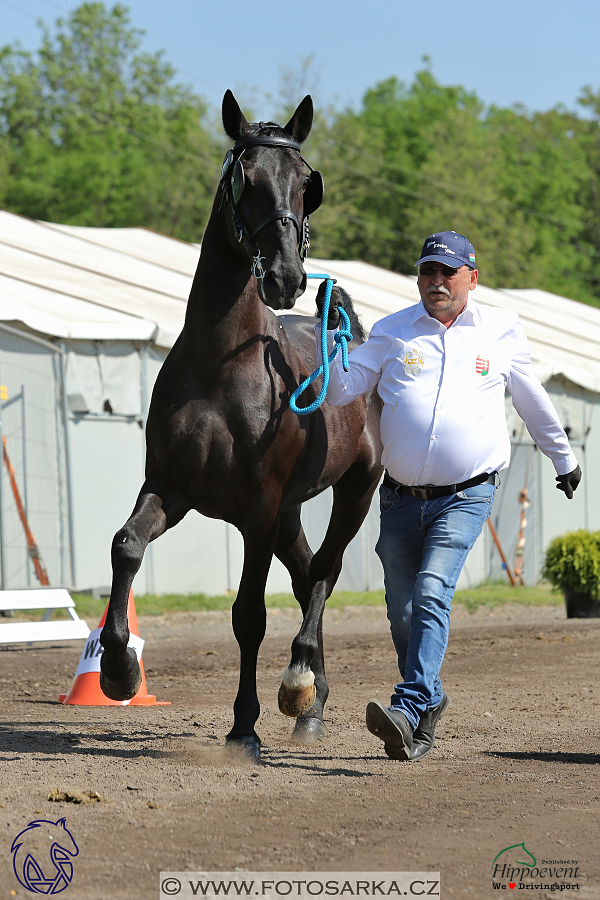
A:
x: 333, y: 319
x: 568, y: 483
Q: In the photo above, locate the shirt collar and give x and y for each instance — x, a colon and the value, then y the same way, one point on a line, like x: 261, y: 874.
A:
x: 470, y: 314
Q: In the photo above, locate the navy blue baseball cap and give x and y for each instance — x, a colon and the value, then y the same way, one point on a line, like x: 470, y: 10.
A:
x: 448, y: 248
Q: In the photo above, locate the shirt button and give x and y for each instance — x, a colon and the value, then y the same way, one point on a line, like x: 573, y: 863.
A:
x: 434, y: 437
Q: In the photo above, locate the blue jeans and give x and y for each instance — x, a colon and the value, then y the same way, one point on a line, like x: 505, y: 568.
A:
x: 423, y: 545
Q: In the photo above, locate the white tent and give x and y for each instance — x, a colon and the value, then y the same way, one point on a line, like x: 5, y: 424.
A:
x: 98, y: 310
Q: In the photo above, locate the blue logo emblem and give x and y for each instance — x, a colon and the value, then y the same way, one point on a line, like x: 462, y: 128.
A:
x: 50, y: 871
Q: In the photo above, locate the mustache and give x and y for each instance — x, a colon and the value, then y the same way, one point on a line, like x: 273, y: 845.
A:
x: 438, y: 289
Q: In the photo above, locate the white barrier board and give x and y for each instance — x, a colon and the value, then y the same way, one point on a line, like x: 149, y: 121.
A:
x: 47, y: 599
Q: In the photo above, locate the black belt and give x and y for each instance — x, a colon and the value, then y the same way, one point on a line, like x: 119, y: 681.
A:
x: 430, y: 493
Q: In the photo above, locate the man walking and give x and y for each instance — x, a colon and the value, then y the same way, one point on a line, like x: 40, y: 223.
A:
x: 441, y: 368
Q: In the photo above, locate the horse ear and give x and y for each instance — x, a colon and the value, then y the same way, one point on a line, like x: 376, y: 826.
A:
x: 234, y: 120
x: 301, y: 122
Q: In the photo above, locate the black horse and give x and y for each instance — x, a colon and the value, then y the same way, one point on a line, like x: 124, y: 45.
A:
x: 221, y: 438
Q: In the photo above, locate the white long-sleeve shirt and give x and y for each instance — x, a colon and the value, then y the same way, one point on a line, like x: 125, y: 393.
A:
x: 443, y: 418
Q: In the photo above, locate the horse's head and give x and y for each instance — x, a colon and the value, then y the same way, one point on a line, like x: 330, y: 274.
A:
x: 270, y: 191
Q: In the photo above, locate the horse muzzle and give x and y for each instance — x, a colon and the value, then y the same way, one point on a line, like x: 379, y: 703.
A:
x: 280, y: 289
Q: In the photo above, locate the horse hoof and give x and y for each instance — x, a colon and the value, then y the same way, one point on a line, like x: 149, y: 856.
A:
x: 309, y: 730
x: 297, y: 692
x: 122, y: 688
x: 247, y: 747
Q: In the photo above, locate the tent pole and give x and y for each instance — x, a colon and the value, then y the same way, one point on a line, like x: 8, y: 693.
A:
x: 65, y: 409
x: 228, y: 560
x: 586, y: 431
x: 2, y: 555
x: 539, y: 511
x: 149, y: 556
x: 366, y: 548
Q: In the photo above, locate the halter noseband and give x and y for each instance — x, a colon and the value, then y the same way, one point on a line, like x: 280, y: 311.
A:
x: 232, y: 185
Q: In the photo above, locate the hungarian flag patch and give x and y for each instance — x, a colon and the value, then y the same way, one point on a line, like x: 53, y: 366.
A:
x: 482, y: 365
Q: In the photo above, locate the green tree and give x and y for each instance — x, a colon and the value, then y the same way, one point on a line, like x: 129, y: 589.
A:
x: 429, y: 157
x: 460, y: 180
x: 589, y: 129
x: 371, y: 161
x: 544, y: 177
x: 96, y: 133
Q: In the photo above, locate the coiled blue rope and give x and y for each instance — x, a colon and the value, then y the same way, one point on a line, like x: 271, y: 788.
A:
x: 341, y: 339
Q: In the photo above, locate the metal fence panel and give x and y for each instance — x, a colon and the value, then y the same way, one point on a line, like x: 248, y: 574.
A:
x: 30, y: 404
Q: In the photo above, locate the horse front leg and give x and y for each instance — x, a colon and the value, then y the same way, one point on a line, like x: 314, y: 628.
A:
x: 249, y: 619
x: 154, y: 512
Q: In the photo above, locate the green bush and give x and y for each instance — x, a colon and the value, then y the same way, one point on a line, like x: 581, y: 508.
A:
x: 573, y: 561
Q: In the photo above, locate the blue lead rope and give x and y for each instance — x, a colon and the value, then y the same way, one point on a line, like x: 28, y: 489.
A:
x: 341, y: 339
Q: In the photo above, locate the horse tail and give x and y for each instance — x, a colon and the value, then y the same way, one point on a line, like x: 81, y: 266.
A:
x: 356, y: 326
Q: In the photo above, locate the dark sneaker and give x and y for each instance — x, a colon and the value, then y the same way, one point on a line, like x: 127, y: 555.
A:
x: 392, y: 727
x: 424, y: 734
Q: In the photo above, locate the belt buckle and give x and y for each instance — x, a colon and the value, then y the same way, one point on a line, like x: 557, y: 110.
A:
x: 420, y: 493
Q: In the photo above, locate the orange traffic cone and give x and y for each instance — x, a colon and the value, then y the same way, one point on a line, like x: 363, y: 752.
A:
x: 86, y: 690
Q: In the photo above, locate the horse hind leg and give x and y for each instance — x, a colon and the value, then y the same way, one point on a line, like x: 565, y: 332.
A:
x: 120, y: 673
x: 352, y: 498
x: 294, y: 552
x: 310, y: 726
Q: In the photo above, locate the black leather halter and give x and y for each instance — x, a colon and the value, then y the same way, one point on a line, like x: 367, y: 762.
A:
x: 232, y: 185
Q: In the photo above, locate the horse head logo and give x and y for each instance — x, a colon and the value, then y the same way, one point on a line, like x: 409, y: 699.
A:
x: 50, y: 871
x: 520, y: 850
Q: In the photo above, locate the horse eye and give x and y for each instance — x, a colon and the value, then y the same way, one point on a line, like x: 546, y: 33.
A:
x: 305, y: 182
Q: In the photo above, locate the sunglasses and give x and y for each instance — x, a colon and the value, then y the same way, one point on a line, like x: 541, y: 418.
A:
x: 429, y: 269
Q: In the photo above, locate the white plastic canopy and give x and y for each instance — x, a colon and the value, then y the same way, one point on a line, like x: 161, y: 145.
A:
x: 132, y: 284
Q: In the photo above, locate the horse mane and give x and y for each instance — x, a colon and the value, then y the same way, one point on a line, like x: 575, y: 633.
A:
x: 356, y: 326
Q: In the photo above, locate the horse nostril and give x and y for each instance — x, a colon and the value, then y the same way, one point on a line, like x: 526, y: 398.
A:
x: 284, y: 221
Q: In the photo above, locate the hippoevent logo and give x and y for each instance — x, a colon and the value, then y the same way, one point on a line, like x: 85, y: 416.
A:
x: 516, y: 868
x: 44, y: 866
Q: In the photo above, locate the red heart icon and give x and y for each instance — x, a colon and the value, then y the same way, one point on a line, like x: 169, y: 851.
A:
x: 512, y: 884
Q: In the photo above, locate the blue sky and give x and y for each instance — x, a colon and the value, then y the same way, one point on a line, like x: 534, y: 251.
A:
x: 535, y: 52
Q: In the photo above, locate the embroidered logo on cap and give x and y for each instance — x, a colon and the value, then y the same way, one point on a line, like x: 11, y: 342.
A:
x: 413, y: 361
x: 471, y: 257
x: 443, y: 247
x: 482, y: 366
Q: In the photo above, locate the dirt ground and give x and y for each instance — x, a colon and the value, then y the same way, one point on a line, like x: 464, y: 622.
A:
x: 517, y: 758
